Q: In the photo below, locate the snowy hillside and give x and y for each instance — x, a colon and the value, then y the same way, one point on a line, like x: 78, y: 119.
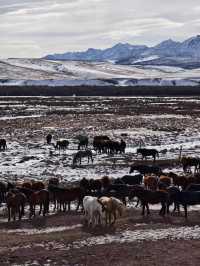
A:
x: 59, y: 73
x: 169, y: 53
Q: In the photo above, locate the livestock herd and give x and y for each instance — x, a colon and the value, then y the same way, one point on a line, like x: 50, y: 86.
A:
x: 102, y: 200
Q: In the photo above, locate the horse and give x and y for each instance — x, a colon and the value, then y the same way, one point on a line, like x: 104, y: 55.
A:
x: 189, y: 162
x: 151, y: 197
x: 82, y: 154
x: 151, y: 182
x: 63, y: 196
x: 3, y: 190
x: 3, y: 144
x: 148, y: 152
x: 62, y: 144
x: 146, y: 169
x: 186, y: 198
x: 99, y: 143
x: 49, y: 139
x: 83, y: 142
x: 39, y: 198
x: 15, y: 204
x: 132, y: 180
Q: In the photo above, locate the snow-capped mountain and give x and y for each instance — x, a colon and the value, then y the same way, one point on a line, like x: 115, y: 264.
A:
x: 185, y: 54
x: 41, y: 72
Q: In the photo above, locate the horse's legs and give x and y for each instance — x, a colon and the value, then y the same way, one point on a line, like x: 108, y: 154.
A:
x: 143, y: 208
x: 185, y: 209
x: 69, y: 205
x: 9, y: 212
x: 147, y: 206
x: 40, y: 208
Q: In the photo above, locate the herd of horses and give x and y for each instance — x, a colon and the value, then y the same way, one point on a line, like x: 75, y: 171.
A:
x: 150, y: 185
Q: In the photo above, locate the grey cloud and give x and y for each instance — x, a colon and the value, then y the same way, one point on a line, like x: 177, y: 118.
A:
x: 66, y: 25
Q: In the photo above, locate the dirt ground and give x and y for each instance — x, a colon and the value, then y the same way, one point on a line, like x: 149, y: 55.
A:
x: 61, y: 238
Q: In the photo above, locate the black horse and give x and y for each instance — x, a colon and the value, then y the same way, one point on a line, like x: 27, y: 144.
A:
x: 83, y: 142
x: 49, y: 139
x: 146, y: 169
x: 62, y: 144
x: 148, y: 152
x: 82, y: 154
x: 3, y: 144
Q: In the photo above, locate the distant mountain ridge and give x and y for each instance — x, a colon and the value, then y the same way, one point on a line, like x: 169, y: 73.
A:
x: 185, y: 54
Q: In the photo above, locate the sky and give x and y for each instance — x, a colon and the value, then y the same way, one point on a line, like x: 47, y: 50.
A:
x: 34, y: 28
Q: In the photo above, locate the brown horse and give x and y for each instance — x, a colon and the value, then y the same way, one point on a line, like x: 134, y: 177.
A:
x: 40, y: 198
x: 64, y: 196
x: 34, y: 185
x: 188, y: 162
x: 151, y: 182
x: 15, y: 203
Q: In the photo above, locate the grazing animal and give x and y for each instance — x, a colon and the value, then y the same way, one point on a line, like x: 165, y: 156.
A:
x: 165, y: 180
x: 49, y: 139
x: 188, y: 162
x: 83, y: 142
x: 95, y: 185
x: 62, y: 144
x: 151, y: 182
x: 112, y: 206
x: 151, y: 197
x: 93, y: 211
x: 193, y: 187
x: 82, y: 154
x: 132, y: 180
x: 186, y: 198
x: 40, y: 198
x: 3, y: 190
x: 54, y: 181
x: 63, y: 196
x: 148, y: 152
x: 120, y: 191
x: 146, y: 169
x: 15, y: 204
x: 183, y: 181
x: 99, y: 143
x: 3, y: 144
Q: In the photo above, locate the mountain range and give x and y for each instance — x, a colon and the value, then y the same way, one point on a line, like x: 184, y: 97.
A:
x: 184, y: 54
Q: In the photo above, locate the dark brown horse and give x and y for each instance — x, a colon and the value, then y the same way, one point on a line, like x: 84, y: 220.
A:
x: 82, y: 154
x: 49, y: 139
x: 148, y: 152
x: 64, y: 196
x: 15, y: 203
x: 3, y: 144
x: 151, y: 197
x: 62, y: 144
x: 188, y: 162
x: 40, y: 198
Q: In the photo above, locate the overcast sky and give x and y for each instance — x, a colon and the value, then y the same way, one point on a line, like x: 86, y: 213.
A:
x: 34, y: 28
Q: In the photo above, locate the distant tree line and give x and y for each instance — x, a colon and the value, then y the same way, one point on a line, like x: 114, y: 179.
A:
x: 99, y: 91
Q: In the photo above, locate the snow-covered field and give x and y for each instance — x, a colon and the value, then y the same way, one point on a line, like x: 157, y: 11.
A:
x: 59, y: 73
